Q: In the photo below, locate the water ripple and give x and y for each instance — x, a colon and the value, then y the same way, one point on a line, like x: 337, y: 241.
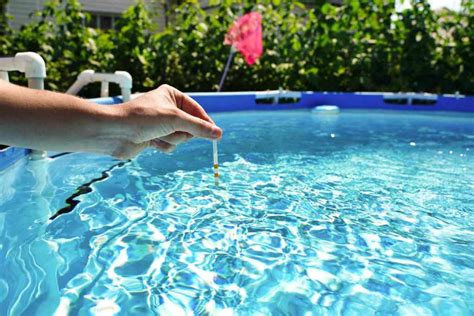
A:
x: 304, y: 223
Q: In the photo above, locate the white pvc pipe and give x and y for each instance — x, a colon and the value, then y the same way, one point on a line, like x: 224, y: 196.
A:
x: 8, y: 64
x: 104, y: 89
x: 82, y: 80
x: 122, y: 78
x: 126, y: 83
x: 29, y: 63
x: 126, y: 95
x: 36, y: 83
x: 4, y: 75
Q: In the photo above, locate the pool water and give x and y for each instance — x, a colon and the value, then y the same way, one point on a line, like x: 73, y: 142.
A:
x: 364, y: 213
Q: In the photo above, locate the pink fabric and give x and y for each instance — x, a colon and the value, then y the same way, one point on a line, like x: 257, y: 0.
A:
x: 246, y: 36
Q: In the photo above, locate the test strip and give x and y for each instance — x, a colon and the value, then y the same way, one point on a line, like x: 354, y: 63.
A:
x: 216, y: 162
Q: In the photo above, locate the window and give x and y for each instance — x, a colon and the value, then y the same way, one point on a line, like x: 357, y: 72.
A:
x: 92, y: 21
x: 102, y: 20
x: 106, y: 22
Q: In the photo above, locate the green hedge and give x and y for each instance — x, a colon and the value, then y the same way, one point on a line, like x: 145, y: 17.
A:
x: 359, y: 46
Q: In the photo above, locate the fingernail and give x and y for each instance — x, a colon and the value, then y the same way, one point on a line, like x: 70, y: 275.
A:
x: 216, y: 131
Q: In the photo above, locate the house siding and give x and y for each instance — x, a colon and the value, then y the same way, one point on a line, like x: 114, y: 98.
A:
x: 109, y: 6
x: 21, y: 10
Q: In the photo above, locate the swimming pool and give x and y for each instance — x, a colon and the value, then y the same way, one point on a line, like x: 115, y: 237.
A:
x: 355, y: 214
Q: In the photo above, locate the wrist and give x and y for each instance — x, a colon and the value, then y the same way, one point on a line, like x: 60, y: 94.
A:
x: 114, y: 122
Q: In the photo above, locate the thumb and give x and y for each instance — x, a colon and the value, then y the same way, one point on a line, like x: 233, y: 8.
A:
x: 196, y: 126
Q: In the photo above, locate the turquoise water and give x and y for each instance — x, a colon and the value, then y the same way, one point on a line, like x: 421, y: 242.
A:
x: 357, y: 214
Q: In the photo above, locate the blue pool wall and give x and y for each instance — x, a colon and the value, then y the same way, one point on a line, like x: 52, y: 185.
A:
x: 247, y: 101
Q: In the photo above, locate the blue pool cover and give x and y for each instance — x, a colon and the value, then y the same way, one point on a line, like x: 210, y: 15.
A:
x: 284, y: 100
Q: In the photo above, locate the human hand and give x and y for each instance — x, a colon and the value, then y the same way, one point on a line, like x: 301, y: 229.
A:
x: 162, y: 118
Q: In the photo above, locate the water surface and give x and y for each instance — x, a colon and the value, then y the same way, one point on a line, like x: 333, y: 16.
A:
x: 357, y: 214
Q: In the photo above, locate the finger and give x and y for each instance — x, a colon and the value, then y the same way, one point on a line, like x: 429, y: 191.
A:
x: 189, y: 105
x: 197, y: 127
x: 176, y: 138
x: 162, y: 145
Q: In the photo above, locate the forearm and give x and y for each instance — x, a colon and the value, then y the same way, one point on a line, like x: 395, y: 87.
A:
x: 162, y: 118
x: 52, y: 121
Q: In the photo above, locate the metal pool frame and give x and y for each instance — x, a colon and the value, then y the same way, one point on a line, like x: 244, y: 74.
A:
x: 288, y: 100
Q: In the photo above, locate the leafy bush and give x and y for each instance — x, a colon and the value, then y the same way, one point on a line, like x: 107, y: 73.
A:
x: 131, y: 46
x: 60, y: 37
x: 361, y: 45
x: 4, y: 28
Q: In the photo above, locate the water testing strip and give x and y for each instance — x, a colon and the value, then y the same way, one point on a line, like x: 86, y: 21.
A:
x: 216, y: 162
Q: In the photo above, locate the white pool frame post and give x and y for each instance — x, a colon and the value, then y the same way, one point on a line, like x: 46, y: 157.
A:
x: 104, y: 89
x: 34, y: 68
x: 122, y: 78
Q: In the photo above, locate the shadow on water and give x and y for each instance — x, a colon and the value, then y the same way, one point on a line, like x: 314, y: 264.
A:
x: 85, y: 188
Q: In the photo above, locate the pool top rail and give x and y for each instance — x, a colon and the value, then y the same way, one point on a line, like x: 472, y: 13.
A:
x: 287, y: 100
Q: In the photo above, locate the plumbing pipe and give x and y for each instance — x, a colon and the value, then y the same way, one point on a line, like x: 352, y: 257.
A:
x: 104, y: 89
x: 4, y: 75
x: 82, y: 80
x: 29, y: 63
x: 36, y: 83
x: 126, y: 95
x: 122, y: 78
x: 125, y: 84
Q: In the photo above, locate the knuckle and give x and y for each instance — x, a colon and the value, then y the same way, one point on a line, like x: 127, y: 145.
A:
x: 164, y: 87
x: 168, y: 90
